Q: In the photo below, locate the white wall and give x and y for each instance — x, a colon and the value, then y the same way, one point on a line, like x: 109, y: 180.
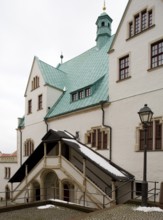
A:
x: 128, y: 96
x: 82, y: 122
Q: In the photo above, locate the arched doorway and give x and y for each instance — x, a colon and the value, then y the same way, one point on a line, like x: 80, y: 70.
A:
x: 51, y: 185
x: 35, y: 191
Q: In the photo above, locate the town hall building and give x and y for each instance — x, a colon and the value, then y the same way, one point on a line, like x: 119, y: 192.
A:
x: 81, y: 139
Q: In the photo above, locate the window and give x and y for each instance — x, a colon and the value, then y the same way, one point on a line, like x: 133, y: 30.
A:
x: 81, y: 94
x: 97, y: 137
x: 39, y: 102
x: 29, y: 106
x: 150, y: 18
x: 28, y: 147
x: 124, y: 68
x: 131, y: 33
x: 87, y: 92
x: 35, y: 83
x: 7, y: 172
x: 74, y: 97
x: 149, y: 135
x: 140, y: 22
x: 157, y: 54
x: 144, y: 20
x: 103, y: 24
x: 137, y: 24
x: 153, y: 136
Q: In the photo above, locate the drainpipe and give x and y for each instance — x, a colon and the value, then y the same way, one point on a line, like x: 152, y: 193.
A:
x: 107, y: 126
x: 20, y: 147
x: 47, y: 127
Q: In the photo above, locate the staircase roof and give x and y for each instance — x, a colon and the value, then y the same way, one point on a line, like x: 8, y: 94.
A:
x: 116, y: 172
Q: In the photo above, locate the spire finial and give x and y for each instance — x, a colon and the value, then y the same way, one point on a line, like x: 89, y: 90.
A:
x: 104, y: 7
x: 61, y: 57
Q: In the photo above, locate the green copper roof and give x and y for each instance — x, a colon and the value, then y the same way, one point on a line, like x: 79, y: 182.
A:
x: 87, y: 69
x: 52, y: 76
x: 21, y: 122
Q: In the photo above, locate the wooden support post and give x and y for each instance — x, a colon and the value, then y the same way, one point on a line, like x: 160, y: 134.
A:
x: 114, y: 191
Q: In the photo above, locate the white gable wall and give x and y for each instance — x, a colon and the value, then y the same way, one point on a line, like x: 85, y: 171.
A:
x: 35, y: 126
x: 52, y: 96
x: 128, y: 96
x: 36, y: 115
x: 138, y: 49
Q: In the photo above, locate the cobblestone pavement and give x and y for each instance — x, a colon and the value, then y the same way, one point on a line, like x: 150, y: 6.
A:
x: 57, y: 213
x: 122, y: 212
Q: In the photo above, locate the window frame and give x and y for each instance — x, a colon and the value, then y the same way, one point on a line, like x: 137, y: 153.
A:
x: 137, y: 23
x: 126, y: 66
x: 88, y: 91
x: 155, y: 54
x: 29, y: 106
x: 144, y: 21
x: 141, y: 22
x: 154, y: 136
x: 7, y: 172
x: 98, y: 137
x: 81, y: 94
x: 40, y: 102
x: 35, y: 83
x: 28, y: 147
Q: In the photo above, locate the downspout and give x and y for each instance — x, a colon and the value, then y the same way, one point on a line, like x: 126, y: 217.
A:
x: 47, y: 127
x: 107, y: 126
x: 20, y: 147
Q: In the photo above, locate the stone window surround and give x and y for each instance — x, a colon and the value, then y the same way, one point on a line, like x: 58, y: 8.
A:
x: 140, y: 127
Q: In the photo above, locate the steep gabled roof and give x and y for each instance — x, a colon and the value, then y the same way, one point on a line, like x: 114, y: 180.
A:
x: 52, y: 76
x: 119, y: 26
x: 87, y: 69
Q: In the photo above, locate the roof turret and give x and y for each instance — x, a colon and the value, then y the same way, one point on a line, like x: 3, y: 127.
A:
x: 103, y: 28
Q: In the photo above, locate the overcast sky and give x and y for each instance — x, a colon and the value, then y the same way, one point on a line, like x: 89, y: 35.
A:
x: 42, y: 28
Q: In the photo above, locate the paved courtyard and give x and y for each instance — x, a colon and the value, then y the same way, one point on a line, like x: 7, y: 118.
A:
x: 122, y: 212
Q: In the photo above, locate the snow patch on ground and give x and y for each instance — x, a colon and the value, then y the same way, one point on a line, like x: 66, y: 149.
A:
x: 148, y: 209
x: 46, y: 207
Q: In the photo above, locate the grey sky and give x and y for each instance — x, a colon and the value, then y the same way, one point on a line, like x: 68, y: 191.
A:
x: 43, y: 28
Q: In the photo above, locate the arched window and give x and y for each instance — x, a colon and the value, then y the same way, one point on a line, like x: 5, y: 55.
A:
x: 28, y: 147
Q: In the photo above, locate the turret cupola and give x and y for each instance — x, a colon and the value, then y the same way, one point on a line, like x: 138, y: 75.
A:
x: 103, y: 28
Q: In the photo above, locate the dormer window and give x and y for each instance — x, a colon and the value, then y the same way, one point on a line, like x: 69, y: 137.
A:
x: 81, y: 94
x: 35, y: 83
x: 74, y: 97
x: 87, y: 92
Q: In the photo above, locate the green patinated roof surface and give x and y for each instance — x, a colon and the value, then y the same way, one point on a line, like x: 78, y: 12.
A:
x: 52, y: 76
x: 87, y: 69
